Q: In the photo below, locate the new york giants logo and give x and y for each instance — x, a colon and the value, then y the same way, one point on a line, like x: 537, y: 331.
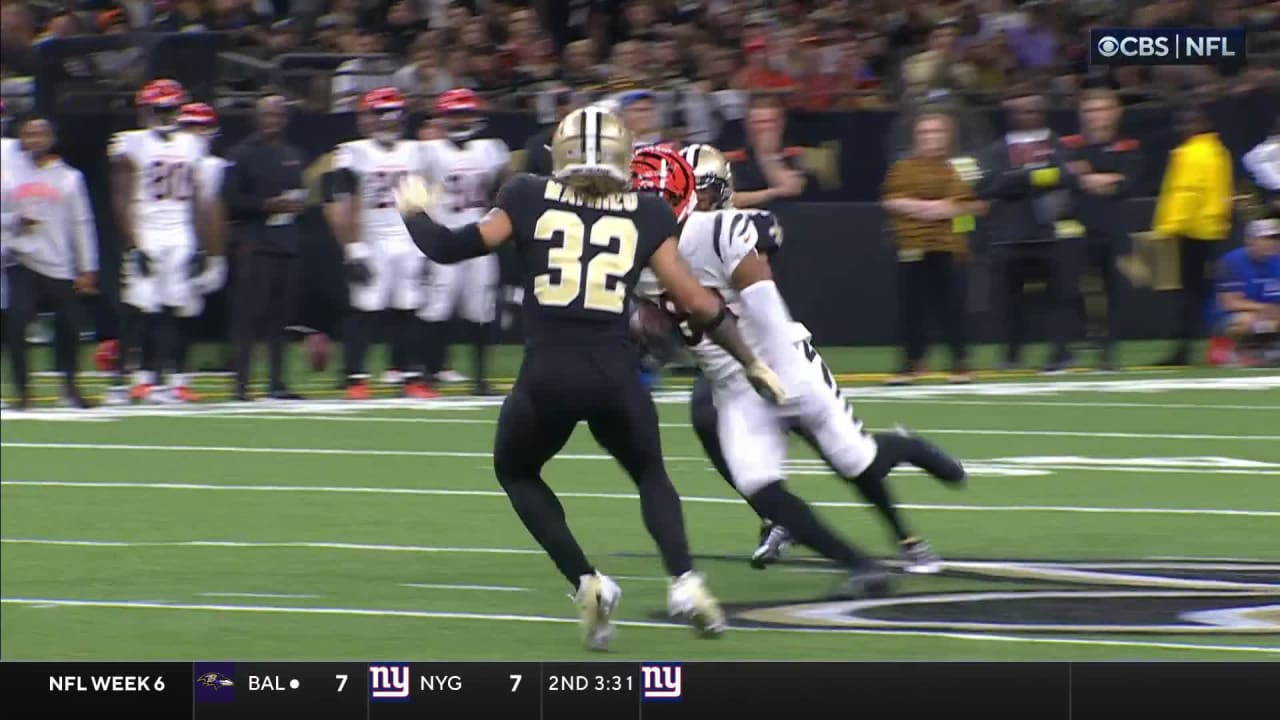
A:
x: 389, y: 682
x: 660, y: 682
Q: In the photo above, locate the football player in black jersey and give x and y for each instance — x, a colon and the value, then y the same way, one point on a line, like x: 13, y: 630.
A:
x: 584, y: 237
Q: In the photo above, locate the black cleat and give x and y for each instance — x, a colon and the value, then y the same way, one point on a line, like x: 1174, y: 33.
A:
x: 773, y: 540
x: 933, y: 459
x: 72, y: 398
x: 918, y: 558
x: 242, y: 394
x: 284, y: 394
x: 863, y: 583
x: 482, y: 388
x: 1178, y: 358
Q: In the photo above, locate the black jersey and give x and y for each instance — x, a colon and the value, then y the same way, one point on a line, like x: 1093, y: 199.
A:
x: 581, y: 255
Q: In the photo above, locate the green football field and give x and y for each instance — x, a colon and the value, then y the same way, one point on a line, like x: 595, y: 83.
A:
x: 1123, y: 515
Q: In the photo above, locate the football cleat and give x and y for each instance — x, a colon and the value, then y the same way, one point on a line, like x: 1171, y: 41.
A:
x: 116, y: 395
x: 918, y: 558
x: 449, y: 376
x: 185, y: 394
x: 358, y: 390
x: 773, y: 540
x: 864, y: 582
x: 690, y: 599
x: 141, y: 392
x: 597, y: 597
x: 419, y: 390
x: 70, y: 397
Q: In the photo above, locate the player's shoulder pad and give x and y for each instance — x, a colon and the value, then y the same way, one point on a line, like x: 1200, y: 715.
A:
x: 1074, y: 141
x: 733, y: 235
x: 768, y: 230
x: 1125, y: 145
x: 120, y: 143
x: 520, y: 188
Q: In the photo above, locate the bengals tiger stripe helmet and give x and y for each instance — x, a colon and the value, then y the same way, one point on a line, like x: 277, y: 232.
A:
x: 714, y: 176
x: 381, y: 113
x: 158, y: 102
x: 591, y: 151
x: 459, y: 111
x: 666, y: 172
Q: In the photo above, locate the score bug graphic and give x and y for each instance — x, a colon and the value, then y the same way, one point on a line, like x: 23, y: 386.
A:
x: 389, y: 682
x: 661, y: 682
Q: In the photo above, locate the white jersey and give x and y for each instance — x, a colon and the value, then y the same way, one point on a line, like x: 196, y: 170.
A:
x: 469, y: 174
x: 209, y: 172
x: 164, y: 176
x: 713, y: 243
x: 379, y: 169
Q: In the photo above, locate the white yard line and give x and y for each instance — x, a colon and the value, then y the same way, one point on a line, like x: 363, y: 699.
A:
x: 303, y: 545
x: 446, y: 586
x: 284, y: 596
x: 626, y: 496
x: 486, y: 617
x: 414, y: 420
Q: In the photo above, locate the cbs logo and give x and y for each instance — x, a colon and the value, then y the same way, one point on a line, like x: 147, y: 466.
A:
x: 1108, y: 46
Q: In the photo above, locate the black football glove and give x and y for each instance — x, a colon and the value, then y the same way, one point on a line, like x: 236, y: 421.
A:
x: 197, y: 263
x: 141, y: 262
x: 357, y: 272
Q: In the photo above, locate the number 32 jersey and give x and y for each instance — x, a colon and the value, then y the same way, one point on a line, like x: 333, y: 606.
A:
x: 164, y: 176
x: 581, y: 257
x: 378, y: 169
x: 469, y: 174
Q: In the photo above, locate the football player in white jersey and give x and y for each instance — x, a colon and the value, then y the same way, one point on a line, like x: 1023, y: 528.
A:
x: 721, y: 248
x: 715, y: 192
x: 469, y: 171
x: 383, y: 266
x: 163, y: 219
x: 201, y: 122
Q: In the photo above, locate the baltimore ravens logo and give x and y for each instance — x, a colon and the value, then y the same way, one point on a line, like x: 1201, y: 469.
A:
x: 215, y: 680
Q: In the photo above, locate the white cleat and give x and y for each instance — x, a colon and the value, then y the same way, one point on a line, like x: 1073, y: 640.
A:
x: 597, y: 598
x: 449, y: 376
x: 116, y: 395
x: 690, y: 599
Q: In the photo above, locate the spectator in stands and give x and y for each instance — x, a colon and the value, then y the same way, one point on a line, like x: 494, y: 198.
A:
x: 538, y: 148
x: 423, y: 78
x: 941, y: 65
x: 522, y: 34
x: 178, y: 16
x: 285, y: 37
x: 458, y: 66
x: 640, y: 115
x: 113, y: 22
x: 328, y: 33
x: 757, y: 75
x: 626, y: 68
x: 17, y: 31
x: 854, y: 75
x: 537, y: 64
x: 402, y: 26
x: 765, y: 171
x: 247, y: 28
x: 1194, y: 209
x: 491, y: 74
x: 579, y: 69
x: 62, y: 25
x: 1035, y: 45
x: 1248, y: 294
x: 359, y: 75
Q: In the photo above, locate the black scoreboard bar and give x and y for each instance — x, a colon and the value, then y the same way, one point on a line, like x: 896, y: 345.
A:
x: 652, y: 691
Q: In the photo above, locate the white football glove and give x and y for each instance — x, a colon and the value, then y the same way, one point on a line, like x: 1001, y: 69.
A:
x: 766, y: 382
x: 414, y: 195
x: 213, y: 277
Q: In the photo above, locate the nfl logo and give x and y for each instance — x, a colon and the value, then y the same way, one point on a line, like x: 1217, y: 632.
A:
x: 389, y: 682
x: 660, y: 682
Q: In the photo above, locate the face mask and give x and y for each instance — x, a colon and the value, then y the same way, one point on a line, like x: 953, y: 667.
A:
x: 386, y: 136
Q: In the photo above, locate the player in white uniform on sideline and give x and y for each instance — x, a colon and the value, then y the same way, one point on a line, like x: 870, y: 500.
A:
x: 383, y: 266
x: 201, y: 122
x: 163, y: 217
x: 468, y: 170
x: 721, y: 248
x: 715, y: 192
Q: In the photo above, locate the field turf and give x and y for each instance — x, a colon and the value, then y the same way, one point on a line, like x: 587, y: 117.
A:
x: 328, y: 529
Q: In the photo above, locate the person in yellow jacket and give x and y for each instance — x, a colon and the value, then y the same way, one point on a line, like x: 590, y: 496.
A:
x: 1194, y: 208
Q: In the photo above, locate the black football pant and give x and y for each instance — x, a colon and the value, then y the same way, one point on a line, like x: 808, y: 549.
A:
x: 935, y: 285
x: 871, y: 486
x: 1194, y: 257
x: 1058, y: 265
x: 557, y: 388
x: 28, y: 290
x: 1099, y: 309
x: 266, y: 286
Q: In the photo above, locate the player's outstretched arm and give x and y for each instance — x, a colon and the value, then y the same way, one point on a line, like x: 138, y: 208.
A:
x: 708, y: 315
x: 415, y: 200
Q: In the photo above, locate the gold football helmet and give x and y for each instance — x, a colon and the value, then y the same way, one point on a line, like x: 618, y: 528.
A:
x: 715, y: 178
x: 591, y: 151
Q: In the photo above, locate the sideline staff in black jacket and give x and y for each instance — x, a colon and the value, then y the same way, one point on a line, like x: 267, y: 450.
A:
x: 1032, y: 234
x: 264, y: 195
x: 1108, y: 168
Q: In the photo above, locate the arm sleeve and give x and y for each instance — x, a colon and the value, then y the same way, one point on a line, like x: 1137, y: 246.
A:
x: 85, y: 237
x: 341, y: 180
